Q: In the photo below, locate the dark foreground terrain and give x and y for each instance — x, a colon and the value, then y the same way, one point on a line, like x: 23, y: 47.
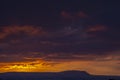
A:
x: 66, y: 75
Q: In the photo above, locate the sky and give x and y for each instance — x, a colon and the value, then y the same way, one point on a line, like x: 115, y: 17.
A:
x: 59, y: 35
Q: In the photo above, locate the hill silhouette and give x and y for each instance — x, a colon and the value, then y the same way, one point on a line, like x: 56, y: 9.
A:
x: 65, y: 75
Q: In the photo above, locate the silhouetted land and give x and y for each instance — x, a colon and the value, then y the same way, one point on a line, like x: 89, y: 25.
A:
x: 66, y: 75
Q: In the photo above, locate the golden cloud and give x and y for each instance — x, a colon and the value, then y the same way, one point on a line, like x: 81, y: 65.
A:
x: 30, y: 66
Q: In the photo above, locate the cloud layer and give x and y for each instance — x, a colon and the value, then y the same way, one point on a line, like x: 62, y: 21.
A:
x: 64, y: 43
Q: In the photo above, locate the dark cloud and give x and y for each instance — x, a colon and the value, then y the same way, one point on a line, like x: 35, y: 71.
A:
x: 74, y: 15
x: 14, y: 58
x: 82, y: 15
x: 16, y: 30
x: 66, y: 15
x: 70, y: 29
x: 65, y: 43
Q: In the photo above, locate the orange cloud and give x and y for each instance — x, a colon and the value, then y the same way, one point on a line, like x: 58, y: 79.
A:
x: 29, y: 66
x: 109, y: 66
x: 93, y: 67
